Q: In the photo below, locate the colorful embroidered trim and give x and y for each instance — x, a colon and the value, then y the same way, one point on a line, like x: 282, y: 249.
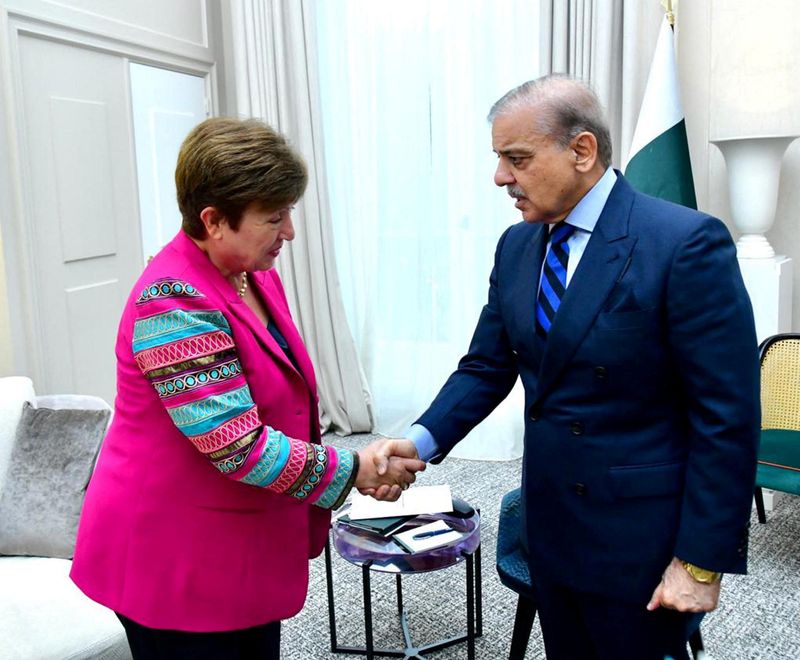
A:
x: 271, y: 461
x: 190, y: 358
x: 312, y: 474
x: 168, y: 288
x: 184, y: 350
x: 174, y: 325
x: 229, y: 433
x: 341, y: 482
x: 233, y: 462
x: 192, y: 379
x: 297, y: 460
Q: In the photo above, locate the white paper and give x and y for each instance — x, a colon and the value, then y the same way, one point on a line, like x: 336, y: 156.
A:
x: 418, y: 545
x: 415, y: 500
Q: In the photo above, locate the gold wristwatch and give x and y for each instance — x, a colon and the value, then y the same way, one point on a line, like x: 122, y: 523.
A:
x: 701, y: 574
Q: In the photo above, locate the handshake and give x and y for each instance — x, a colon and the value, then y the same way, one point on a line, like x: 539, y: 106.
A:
x: 387, y: 467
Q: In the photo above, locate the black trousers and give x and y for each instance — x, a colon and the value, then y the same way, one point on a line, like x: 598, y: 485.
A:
x: 580, y: 626
x: 258, y: 643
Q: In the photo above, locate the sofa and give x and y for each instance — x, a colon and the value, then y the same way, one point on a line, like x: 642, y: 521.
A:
x: 43, y: 615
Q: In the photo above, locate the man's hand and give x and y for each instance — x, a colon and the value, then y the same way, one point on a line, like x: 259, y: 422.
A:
x: 680, y: 591
x: 392, y: 447
x: 387, y: 468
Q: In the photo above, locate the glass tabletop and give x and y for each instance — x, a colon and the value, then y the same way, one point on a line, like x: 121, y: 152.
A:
x: 359, y: 546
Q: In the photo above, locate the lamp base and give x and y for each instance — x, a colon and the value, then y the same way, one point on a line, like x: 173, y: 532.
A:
x: 754, y: 246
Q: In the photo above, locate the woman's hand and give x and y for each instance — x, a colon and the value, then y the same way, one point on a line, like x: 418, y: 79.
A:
x: 387, y: 467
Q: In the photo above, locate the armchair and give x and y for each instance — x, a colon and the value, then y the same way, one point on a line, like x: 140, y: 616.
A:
x: 512, y: 567
x: 779, y: 454
x: 43, y: 615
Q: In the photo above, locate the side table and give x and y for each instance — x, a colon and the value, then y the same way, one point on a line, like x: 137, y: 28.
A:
x: 373, y: 552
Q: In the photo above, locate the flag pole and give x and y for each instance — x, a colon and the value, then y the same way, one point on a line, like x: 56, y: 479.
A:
x: 659, y: 163
x: 667, y: 5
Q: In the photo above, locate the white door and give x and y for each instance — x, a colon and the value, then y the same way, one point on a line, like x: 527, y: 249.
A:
x: 166, y: 105
x: 84, y: 227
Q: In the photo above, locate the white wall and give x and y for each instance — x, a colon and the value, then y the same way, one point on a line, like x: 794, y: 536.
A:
x: 739, y: 67
x: 738, y: 60
x: 5, y: 326
x: 179, y: 34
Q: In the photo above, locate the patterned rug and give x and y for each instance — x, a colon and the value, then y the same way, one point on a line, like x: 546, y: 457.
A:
x: 758, y: 617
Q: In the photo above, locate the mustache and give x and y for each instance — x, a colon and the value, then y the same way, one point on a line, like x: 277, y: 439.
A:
x: 514, y: 191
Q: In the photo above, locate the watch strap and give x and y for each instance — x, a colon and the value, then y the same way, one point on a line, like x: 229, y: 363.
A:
x: 702, y: 575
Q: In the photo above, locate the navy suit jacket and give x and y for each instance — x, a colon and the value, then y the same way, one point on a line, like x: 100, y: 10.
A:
x: 642, y: 407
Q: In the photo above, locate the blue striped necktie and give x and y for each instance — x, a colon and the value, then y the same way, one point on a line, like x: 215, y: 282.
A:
x: 554, y: 278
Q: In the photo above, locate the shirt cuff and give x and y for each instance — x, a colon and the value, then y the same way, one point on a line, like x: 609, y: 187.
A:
x: 424, y: 441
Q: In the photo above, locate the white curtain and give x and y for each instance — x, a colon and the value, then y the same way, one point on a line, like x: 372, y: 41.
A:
x: 271, y: 48
x: 608, y: 43
x: 405, y: 90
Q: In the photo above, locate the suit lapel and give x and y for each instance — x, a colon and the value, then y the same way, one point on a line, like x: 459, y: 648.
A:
x: 526, y: 276
x: 245, y: 315
x: 282, y: 320
x: 237, y: 307
x: 601, y: 266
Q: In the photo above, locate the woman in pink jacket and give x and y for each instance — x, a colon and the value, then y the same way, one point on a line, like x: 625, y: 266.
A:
x: 213, y: 488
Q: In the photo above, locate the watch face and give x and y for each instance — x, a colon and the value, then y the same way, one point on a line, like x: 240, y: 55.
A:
x: 701, y: 574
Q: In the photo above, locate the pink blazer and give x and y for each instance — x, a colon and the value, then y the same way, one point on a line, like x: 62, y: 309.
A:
x: 164, y: 538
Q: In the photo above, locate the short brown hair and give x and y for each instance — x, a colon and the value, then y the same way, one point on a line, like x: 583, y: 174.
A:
x: 229, y: 164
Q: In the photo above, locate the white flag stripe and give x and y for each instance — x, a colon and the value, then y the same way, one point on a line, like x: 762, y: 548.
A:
x: 661, y: 106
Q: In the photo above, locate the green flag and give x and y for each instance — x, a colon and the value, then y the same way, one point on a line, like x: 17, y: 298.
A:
x: 658, y: 163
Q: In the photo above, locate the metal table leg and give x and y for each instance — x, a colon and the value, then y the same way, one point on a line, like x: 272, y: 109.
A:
x: 474, y: 614
x: 478, y: 593
x: 331, y: 604
x: 367, y: 609
x: 470, y: 609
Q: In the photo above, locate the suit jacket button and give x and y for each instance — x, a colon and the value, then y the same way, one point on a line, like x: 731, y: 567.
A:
x: 600, y: 372
x: 576, y: 428
x: 534, y: 413
x: 579, y: 488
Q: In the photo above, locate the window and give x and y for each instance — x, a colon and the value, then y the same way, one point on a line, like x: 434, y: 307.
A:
x: 405, y: 90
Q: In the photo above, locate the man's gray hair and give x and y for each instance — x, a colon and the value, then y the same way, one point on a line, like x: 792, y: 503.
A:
x: 570, y: 107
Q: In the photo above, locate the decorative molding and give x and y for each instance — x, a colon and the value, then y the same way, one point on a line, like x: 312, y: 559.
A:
x: 108, y: 25
x: 49, y: 20
x: 198, y: 62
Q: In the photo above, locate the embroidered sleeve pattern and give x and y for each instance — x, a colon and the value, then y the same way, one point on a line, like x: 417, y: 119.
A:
x: 186, y: 350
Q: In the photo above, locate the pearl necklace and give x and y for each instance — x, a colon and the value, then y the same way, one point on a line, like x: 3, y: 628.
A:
x: 243, y: 288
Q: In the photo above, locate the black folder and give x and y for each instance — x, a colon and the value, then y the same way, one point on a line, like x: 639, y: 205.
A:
x: 382, y: 526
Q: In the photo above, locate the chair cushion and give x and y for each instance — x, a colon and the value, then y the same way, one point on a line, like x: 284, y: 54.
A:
x: 43, y: 615
x: 779, y: 461
x: 14, y: 392
x: 50, y: 466
x: 512, y: 560
x: 514, y: 572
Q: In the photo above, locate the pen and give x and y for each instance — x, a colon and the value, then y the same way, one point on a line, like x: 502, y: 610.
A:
x: 427, y: 535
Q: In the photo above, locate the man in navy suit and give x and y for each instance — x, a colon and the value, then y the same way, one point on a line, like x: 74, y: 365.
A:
x: 628, y: 322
